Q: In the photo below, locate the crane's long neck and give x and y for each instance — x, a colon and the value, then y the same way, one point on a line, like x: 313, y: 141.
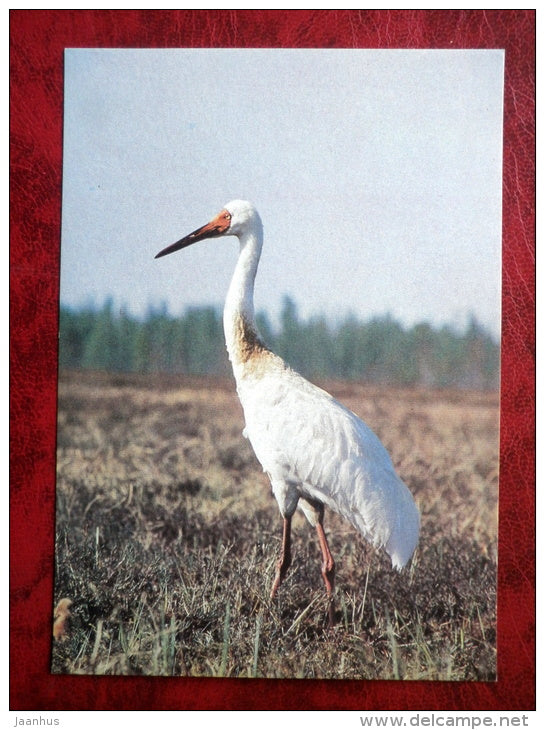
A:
x: 239, y: 324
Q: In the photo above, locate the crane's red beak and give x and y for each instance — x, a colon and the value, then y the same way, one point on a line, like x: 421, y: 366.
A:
x: 217, y: 227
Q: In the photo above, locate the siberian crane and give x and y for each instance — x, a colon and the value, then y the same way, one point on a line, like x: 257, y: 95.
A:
x: 315, y: 451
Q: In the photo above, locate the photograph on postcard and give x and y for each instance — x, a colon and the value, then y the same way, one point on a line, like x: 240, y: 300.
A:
x: 279, y: 353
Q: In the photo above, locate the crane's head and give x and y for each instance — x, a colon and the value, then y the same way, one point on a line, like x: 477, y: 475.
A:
x: 237, y: 217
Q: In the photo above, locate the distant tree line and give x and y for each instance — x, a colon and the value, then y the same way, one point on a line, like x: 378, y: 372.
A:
x: 379, y: 350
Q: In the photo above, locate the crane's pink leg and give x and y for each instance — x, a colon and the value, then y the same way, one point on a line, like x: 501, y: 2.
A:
x: 285, y: 556
x: 328, y: 569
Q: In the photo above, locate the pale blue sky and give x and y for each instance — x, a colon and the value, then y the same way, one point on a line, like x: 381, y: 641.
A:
x: 377, y: 175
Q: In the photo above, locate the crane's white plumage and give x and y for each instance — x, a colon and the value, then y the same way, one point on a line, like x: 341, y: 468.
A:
x: 316, y: 451
x: 313, y: 447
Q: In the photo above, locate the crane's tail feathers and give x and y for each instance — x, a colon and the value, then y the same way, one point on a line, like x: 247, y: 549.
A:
x: 404, y: 538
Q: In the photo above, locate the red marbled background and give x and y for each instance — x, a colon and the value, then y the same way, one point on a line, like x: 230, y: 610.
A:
x: 37, y: 40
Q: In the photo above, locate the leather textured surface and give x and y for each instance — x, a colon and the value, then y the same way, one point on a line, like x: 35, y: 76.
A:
x: 37, y: 41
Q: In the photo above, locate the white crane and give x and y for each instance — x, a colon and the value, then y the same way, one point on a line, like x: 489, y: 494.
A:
x: 315, y: 451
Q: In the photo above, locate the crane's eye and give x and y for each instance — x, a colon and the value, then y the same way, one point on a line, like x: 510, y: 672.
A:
x: 228, y: 216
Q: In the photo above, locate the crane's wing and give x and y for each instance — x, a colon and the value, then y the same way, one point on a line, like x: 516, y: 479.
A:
x: 305, y: 438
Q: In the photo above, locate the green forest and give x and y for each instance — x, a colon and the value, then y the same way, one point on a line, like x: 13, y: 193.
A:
x: 379, y: 350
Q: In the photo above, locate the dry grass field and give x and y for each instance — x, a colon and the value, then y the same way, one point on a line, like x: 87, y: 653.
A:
x: 168, y: 534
